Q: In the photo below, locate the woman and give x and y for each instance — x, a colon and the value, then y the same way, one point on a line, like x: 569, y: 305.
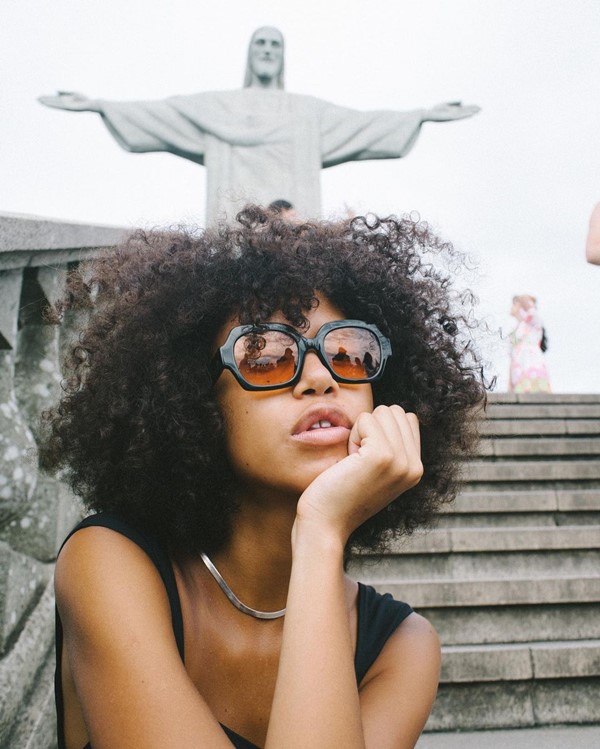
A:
x: 528, y: 372
x: 243, y: 412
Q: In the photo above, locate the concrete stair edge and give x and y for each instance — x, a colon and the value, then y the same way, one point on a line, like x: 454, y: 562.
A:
x: 520, y: 661
x: 504, y: 538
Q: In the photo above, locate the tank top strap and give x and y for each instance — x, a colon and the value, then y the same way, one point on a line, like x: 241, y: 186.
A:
x: 378, y: 617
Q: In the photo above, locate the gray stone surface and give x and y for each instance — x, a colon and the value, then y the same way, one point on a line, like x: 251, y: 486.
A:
x: 555, y: 737
x: 481, y: 568
x: 20, y: 666
x: 542, y: 447
x: 515, y: 538
x: 498, y: 399
x: 541, y: 470
x: 538, y: 427
x: 10, y: 293
x: 567, y: 701
x: 557, y: 660
x: 551, y: 410
x: 42, y: 527
x: 35, y: 513
x: 466, y: 625
x: 22, y: 235
x: 35, y: 723
x: 22, y: 580
x: 477, y: 706
x: 18, y: 464
x: 520, y: 661
x: 477, y: 663
x: 426, y: 593
x: 545, y: 500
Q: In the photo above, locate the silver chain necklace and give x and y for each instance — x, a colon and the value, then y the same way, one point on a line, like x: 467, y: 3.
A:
x: 234, y: 599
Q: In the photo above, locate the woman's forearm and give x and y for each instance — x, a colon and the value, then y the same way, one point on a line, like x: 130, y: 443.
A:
x: 316, y: 696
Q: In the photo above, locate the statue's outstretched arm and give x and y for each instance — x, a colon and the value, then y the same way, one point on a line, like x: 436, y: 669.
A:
x: 71, y: 101
x: 451, y: 110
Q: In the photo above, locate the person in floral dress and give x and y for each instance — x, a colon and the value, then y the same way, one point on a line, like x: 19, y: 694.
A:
x: 528, y: 372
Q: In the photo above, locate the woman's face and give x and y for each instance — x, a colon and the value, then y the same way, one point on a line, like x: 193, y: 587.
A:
x: 282, y: 439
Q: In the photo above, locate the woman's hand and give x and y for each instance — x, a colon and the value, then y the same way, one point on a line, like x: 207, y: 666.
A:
x: 384, y: 460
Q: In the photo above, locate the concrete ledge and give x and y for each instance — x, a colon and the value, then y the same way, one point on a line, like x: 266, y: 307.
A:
x: 535, y: 500
x: 543, y: 446
x: 508, y: 398
x: 542, y: 470
x: 537, y: 427
x: 479, y: 706
x: 453, y: 593
x: 483, y: 706
x: 553, y: 737
x: 515, y: 624
x: 519, y: 661
x: 22, y: 232
x: 569, y: 701
x: 549, y: 410
x: 479, y: 568
x: 552, y: 660
x: 500, y: 539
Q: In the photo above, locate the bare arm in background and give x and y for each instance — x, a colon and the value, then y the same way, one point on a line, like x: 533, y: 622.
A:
x: 592, y: 245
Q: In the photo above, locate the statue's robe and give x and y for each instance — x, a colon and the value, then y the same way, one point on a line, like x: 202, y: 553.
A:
x: 260, y: 145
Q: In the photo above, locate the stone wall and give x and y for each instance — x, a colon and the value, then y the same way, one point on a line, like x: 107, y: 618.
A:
x: 36, y: 510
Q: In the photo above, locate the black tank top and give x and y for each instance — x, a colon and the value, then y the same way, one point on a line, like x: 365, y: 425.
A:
x: 378, y: 617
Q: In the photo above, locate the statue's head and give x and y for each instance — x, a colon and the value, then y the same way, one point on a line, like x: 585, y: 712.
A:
x: 264, y: 68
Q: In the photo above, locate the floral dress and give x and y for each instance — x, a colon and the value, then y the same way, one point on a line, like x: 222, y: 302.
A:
x: 528, y: 373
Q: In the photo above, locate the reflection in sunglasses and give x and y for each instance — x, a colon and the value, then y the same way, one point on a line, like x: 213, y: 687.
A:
x: 271, y: 357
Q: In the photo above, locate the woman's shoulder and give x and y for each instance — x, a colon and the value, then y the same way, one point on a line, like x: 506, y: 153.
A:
x: 99, y: 565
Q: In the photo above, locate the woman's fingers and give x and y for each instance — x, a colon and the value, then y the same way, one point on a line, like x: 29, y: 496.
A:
x: 390, y: 438
x: 383, y: 462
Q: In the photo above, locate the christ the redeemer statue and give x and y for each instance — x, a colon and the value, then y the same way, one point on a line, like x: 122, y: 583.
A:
x: 260, y: 143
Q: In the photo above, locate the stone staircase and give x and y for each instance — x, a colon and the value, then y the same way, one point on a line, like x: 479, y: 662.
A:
x: 510, y: 574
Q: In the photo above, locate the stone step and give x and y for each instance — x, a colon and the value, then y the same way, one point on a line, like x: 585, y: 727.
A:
x: 477, y: 566
x: 430, y: 593
x: 520, y: 661
x: 516, y: 704
x: 509, y: 398
x: 521, y: 520
x: 552, y: 410
x: 533, y: 500
x: 445, y: 540
x: 537, y: 427
x: 540, y: 470
x: 467, y: 625
x: 542, y: 446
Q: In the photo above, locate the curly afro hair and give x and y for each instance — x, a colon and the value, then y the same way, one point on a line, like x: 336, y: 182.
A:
x: 139, y: 431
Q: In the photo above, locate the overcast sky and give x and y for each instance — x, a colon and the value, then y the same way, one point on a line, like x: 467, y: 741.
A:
x: 513, y: 186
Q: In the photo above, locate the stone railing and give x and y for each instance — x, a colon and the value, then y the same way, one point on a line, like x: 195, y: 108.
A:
x: 36, y: 510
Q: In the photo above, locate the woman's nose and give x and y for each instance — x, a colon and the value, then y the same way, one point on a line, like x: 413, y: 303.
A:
x: 315, y: 377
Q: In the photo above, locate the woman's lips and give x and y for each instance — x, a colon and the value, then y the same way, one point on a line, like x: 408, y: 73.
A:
x: 328, y: 435
x: 322, y: 425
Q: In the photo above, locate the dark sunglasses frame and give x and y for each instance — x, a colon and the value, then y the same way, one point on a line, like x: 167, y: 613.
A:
x: 224, y: 357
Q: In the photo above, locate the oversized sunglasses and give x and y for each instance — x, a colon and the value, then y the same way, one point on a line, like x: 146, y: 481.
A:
x: 270, y: 356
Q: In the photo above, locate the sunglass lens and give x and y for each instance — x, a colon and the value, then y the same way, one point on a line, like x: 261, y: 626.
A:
x: 353, y: 353
x: 266, y: 358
